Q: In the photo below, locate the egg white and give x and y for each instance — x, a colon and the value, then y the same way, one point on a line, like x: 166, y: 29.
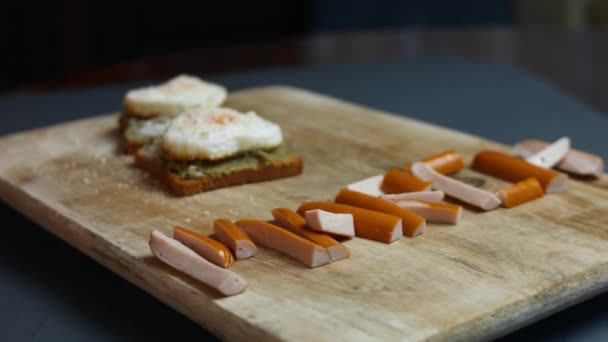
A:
x: 219, y: 133
x: 177, y: 95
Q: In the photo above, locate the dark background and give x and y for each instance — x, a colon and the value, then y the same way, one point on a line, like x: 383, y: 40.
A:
x: 69, y: 43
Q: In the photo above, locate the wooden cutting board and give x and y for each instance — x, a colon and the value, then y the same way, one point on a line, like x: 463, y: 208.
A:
x: 492, y: 273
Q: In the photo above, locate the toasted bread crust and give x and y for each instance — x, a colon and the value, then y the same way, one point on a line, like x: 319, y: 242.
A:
x: 187, y: 187
x: 128, y: 146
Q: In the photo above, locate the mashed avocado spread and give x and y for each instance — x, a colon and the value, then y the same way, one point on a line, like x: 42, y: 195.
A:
x: 249, y: 160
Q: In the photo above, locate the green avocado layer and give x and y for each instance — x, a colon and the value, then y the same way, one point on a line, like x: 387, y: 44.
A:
x: 247, y: 161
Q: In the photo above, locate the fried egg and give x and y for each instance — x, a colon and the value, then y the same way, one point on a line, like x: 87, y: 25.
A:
x: 177, y: 95
x: 213, y: 134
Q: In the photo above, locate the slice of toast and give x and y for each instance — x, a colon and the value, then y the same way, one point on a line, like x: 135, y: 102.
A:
x: 186, y: 187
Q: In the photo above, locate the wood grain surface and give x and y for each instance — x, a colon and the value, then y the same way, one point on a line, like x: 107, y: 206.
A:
x: 492, y: 273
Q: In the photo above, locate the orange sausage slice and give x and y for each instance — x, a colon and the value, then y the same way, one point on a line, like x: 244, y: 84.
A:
x: 446, y: 162
x: 204, y: 246
x: 337, y: 224
x: 296, y: 224
x: 412, y: 224
x: 428, y: 196
x: 457, y: 189
x: 369, y: 224
x: 232, y: 236
x: 522, y: 192
x: 514, y: 170
x: 180, y: 257
x: 370, y: 186
x: 286, y: 242
x: 433, y: 211
x: 576, y: 161
x: 549, y: 156
x: 397, y: 181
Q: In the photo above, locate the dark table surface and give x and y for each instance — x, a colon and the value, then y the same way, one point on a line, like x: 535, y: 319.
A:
x: 51, y: 292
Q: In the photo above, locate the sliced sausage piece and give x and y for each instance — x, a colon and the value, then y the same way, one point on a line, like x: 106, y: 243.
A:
x: 522, y: 192
x: 428, y: 196
x: 296, y: 224
x: 433, y: 211
x: 513, y: 169
x: 412, y: 224
x: 177, y: 255
x: 370, y: 186
x: 286, y: 242
x: 397, y: 181
x: 446, y: 162
x: 204, y: 246
x: 232, y: 236
x: 369, y: 224
x: 457, y: 189
x: 324, y: 221
x: 549, y: 156
x: 575, y: 161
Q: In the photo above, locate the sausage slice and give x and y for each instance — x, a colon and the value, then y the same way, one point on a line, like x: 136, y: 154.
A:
x: 286, y: 242
x: 182, y: 258
x: 457, y: 189
x: 232, y: 236
x: 324, y: 221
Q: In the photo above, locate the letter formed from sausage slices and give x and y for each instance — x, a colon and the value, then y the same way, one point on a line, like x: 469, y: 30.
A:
x: 522, y: 192
x: 437, y: 212
x: 412, y: 224
x: 446, y: 162
x: 457, y: 189
x: 427, y: 196
x: 549, y: 156
x: 182, y: 258
x: 369, y: 186
x: 296, y: 224
x: 514, y: 170
x: 397, y: 181
x: 337, y: 224
x: 575, y: 161
x: 204, y: 246
x: 232, y: 236
x: 286, y: 242
x: 369, y: 224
